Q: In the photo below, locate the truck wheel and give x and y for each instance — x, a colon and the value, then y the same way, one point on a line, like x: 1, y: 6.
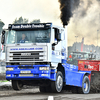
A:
x: 85, y: 89
x: 42, y: 88
x: 56, y: 86
x: 17, y: 85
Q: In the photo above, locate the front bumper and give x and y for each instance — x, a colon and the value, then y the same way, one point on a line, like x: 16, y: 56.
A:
x: 31, y: 73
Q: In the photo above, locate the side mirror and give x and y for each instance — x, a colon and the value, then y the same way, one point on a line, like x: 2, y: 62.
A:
x: 59, y: 36
x: 53, y: 47
x: 54, y: 44
x: 3, y: 37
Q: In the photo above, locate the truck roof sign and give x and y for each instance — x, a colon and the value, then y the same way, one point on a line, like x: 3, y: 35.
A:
x: 29, y: 26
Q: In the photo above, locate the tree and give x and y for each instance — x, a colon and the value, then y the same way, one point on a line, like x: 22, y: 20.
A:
x: 20, y: 20
x: 1, y: 25
x: 35, y: 21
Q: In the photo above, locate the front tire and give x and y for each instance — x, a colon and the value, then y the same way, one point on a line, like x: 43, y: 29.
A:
x: 56, y: 86
x: 85, y: 89
x: 17, y: 85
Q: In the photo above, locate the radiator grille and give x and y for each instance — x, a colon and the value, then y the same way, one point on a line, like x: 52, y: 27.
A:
x: 27, y: 56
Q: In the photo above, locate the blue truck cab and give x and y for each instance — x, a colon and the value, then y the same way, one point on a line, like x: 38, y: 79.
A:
x: 36, y: 54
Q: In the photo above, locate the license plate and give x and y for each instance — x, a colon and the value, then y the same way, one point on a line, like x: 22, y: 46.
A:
x: 25, y: 72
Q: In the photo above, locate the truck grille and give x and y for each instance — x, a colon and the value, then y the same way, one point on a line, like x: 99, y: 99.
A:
x: 27, y: 56
x: 26, y: 67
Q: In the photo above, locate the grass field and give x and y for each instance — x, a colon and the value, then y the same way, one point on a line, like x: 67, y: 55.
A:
x: 4, y: 81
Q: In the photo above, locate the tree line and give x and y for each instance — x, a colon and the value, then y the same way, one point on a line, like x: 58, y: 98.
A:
x: 22, y: 20
x: 19, y: 20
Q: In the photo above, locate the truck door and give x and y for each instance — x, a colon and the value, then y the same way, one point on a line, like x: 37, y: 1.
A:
x: 56, y: 48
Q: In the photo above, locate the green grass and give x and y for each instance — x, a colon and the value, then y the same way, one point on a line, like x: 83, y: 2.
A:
x: 3, y: 81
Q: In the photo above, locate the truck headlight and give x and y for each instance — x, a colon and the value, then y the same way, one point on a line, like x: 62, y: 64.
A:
x: 9, y: 69
x: 43, y: 68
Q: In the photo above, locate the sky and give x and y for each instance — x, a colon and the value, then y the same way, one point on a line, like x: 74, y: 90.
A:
x: 45, y: 10
x: 84, y: 23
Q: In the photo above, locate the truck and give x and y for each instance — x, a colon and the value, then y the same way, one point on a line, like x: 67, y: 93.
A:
x: 87, y: 61
x: 76, y: 55
x: 93, y: 66
x: 36, y: 55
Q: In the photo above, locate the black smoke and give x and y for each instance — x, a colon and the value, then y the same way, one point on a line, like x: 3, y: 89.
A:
x: 85, y: 22
x: 67, y: 7
x: 83, y: 12
x: 66, y: 13
x: 74, y: 4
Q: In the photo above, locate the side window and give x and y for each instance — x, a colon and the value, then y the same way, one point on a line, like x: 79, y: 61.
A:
x: 56, y: 31
x: 11, y: 37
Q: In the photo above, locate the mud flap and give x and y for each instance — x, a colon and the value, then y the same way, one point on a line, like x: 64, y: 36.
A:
x: 95, y: 81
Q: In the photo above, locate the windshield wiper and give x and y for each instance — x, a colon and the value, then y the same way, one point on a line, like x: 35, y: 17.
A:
x: 18, y: 44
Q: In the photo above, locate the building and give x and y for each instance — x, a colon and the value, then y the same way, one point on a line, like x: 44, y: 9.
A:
x: 86, y: 48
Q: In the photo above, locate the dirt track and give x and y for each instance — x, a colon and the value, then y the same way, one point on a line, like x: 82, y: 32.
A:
x: 34, y: 94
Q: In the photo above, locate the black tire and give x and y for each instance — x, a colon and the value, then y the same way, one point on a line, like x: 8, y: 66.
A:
x: 17, y: 85
x: 56, y: 86
x: 85, y: 90
x: 74, y: 90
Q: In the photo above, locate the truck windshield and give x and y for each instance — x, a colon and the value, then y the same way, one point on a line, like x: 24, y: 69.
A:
x: 34, y: 36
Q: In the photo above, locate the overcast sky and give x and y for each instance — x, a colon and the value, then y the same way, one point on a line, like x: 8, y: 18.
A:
x: 45, y: 10
x: 48, y: 11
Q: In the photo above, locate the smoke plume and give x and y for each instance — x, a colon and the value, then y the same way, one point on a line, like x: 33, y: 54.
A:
x: 83, y: 20
x: 65, y: 11
x: 67, y: 7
